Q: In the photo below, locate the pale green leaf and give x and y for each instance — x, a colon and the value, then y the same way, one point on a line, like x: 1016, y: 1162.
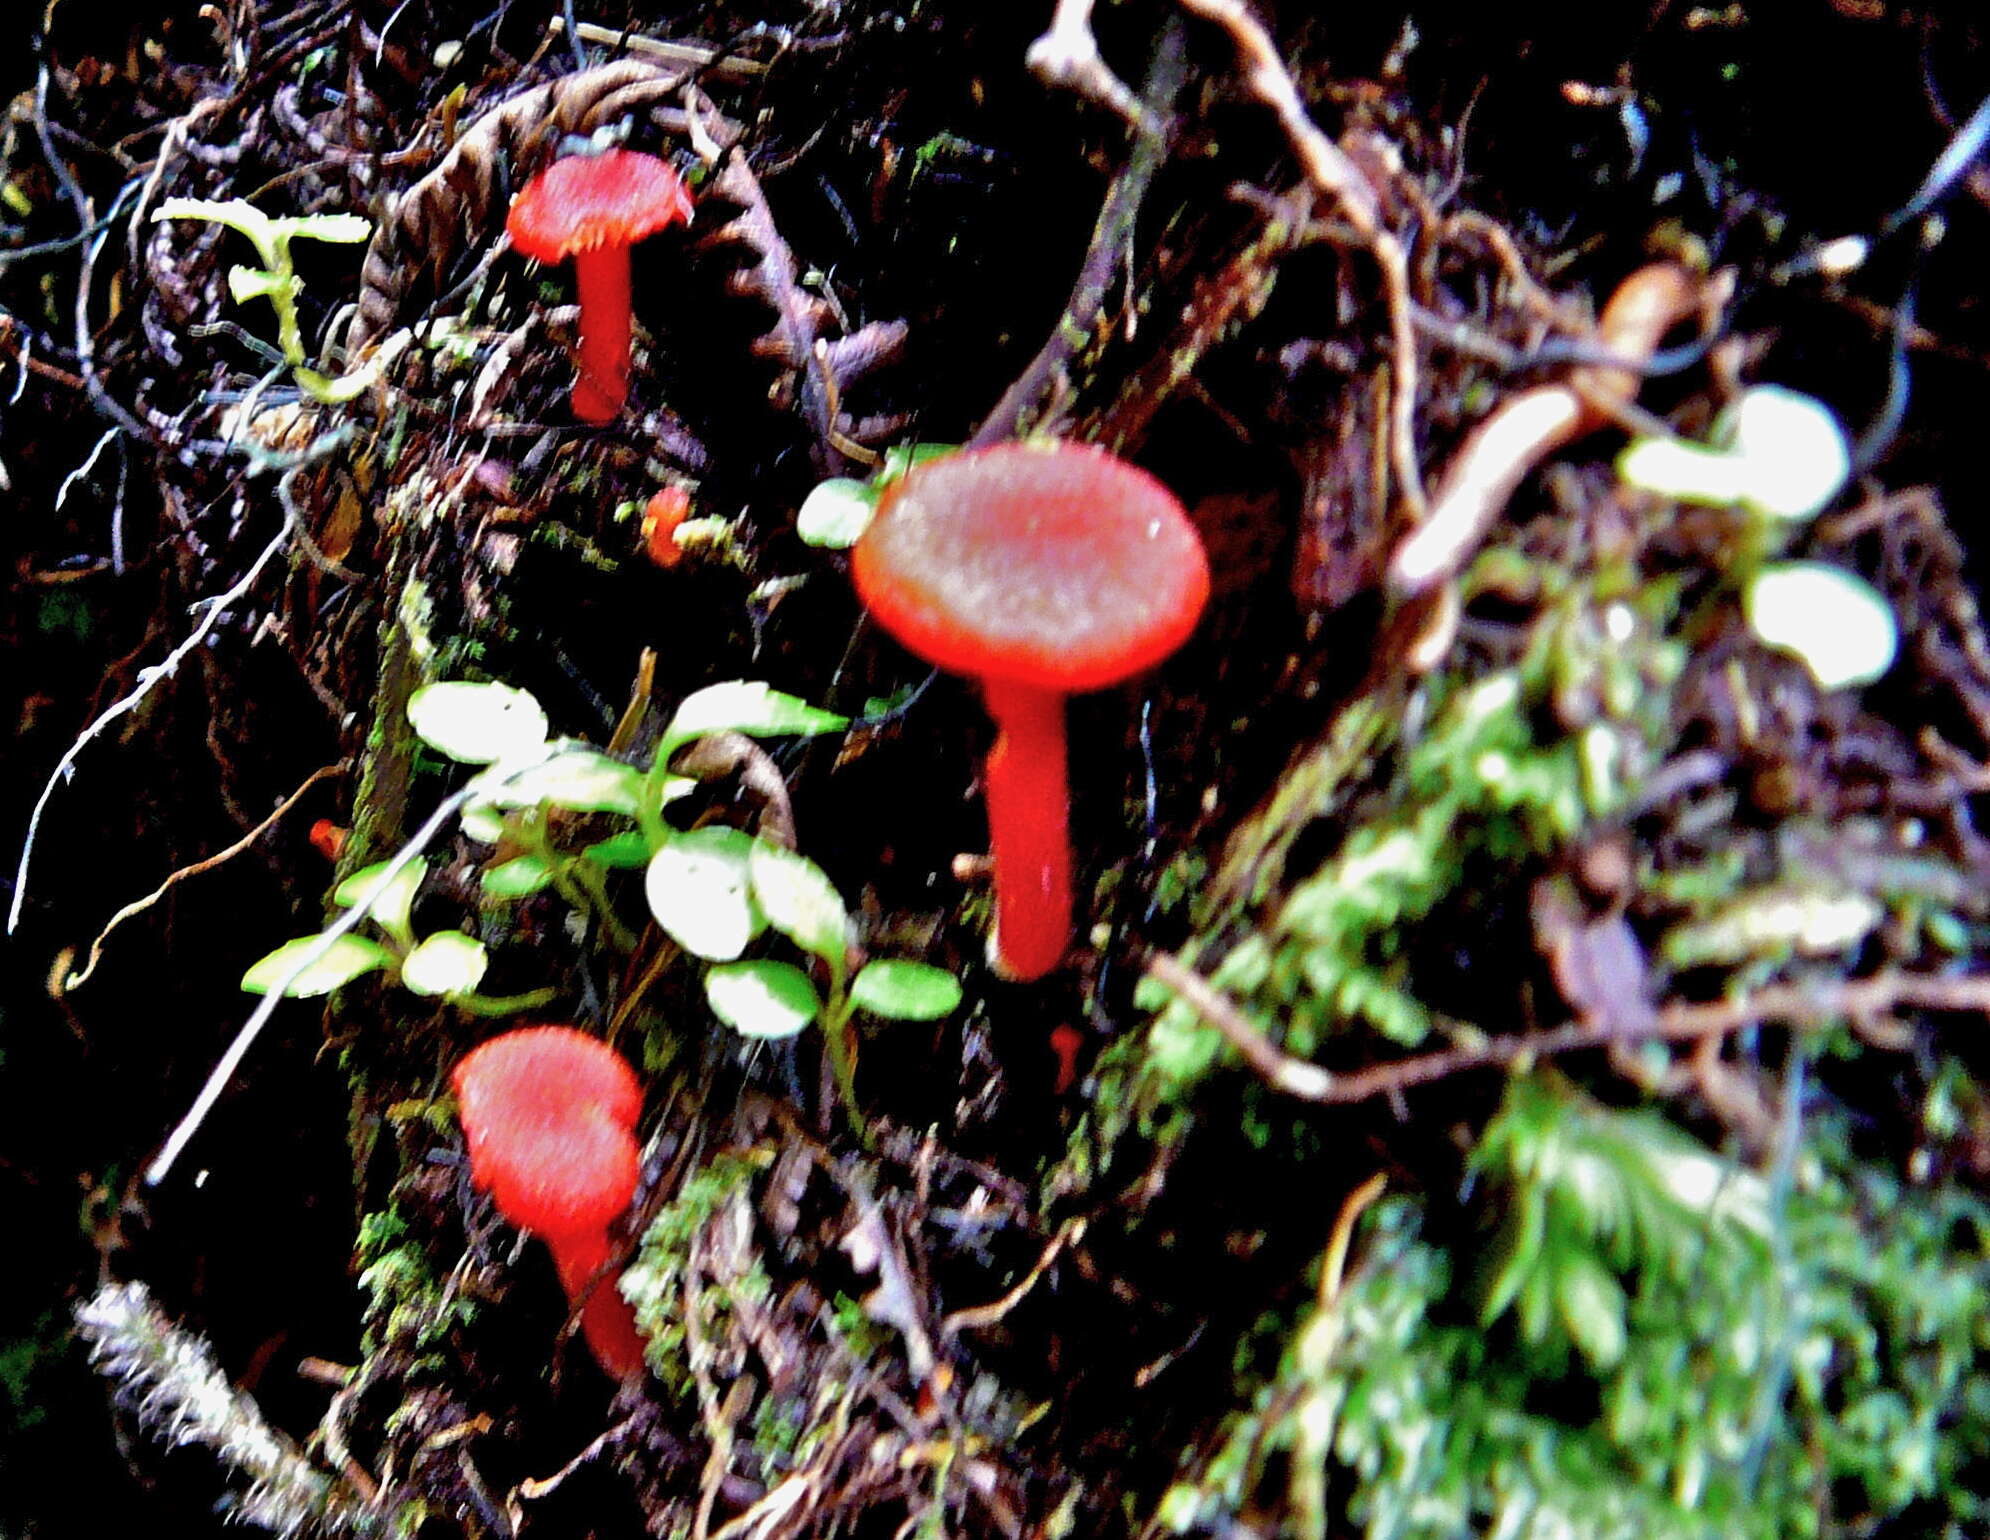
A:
x: 343, y: 960
x: 446, y: 963
x: 346, y: 229
x: 905, y: 991
x: 247, y: 283
x: 800, y: 901
x: 517, y: 878
x: 701, y: 893
x: 744, y: 706
x: 478, y: 724
x: 1591, y: 1303
x: 619, y: 851
x: 386, y: 900
x: 575, y: 777
x: 762, y: 999
x: 836, y: 512
x: 1832, y: 619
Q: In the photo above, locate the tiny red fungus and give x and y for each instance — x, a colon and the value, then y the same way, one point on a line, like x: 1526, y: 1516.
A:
x: 1041, y: 570
x: 593, y: 208
x: 666, y: 509
x: 549, y: 1114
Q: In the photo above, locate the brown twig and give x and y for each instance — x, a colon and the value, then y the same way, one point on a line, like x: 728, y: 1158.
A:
x: 1802, y: 1006
x: 1332, y: 172
x: 1498, y: 455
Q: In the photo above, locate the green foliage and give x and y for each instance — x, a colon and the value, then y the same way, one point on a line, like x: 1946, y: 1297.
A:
x: 1657, y: 1346
x: 276, y: 280
x: 1491, y: 777
x: 405, y: 1304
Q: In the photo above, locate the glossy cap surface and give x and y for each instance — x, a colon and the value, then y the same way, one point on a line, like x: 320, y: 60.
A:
x: 1054, y: 565
x: 588, y: 201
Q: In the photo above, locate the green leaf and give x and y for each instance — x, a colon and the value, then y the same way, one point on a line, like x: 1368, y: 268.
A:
x: 575, y: 777
x: 762, y: 999
x: 620, y: 851
x: 800, y: 901
x: 336, y: 390
x: 346, y: 229
x: 477, y: 724
x: 701, y: 893
x: 344, y: 960
x: 386, y: 901
x: 744, y: 706
x: 446, y: 963
x: 1591, y: 1302
x: 482, y: 823
x: 517, y: 878
x: 836, y: 512
x: 1833, y: 619
x: 247, y: 283
x: 905, y: 991
x: 900, y: 458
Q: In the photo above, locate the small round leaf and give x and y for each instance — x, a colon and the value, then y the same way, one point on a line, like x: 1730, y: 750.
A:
x: 905, y: 991
x: 478, y: 724
x: 836, y: 512
x: 334, y: 964
x: 446, y: 963
x: 800, y: 901
x: 1829, y: 617
x: 701, y: 894
x: 386, y: 900
x: 762, y: 999
x: 517, y: 878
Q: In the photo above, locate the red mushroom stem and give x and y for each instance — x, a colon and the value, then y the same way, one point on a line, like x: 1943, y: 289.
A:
x: 1028, y: 828
x: 601, y: 275
x: 607, y: 1320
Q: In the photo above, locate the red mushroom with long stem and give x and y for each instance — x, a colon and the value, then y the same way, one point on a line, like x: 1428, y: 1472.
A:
x: 593, y: 208
x: 549, y: 1114
x: 1040, y: 570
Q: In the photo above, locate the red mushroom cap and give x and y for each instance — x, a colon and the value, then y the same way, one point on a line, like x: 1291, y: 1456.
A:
x: 549, y: 1114
x: 588, y: 201
x: 1053, y: 565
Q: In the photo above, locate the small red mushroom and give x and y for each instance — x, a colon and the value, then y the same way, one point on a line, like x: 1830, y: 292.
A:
x: 666, y: 509
x: 549, y: 1114
x: 1039, y: 569
x: 593, y: 208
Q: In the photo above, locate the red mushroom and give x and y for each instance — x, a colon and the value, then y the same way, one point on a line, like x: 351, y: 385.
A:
x: 1040, y: 569
x: 667, y: 508
x: 594, y: 208
x: 549, y: 1114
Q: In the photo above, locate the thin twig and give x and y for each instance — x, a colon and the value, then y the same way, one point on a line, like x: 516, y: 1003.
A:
x: 1799, y: 1005
x: 1076, y: 324
x: 219, y: 858
x: 1067, y: 55
x: 1333, y: 173
x: 211, y: 611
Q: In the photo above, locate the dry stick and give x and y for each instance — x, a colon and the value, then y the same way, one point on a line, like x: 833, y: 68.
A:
x: 1498, y: 455
x: 1331, y: 172
x: 1109, y: 236
x: 1798, y: 1004
x: 139, y: 906
x: 1067, y: 55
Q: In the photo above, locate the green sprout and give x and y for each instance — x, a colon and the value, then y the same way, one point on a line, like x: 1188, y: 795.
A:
x: 715, y: 891
x: 276, y: 280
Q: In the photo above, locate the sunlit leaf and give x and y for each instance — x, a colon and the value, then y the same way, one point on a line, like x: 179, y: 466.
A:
x: 385, y: 899
x: 762, y: 999
x: 905, y: 991
x: 836, y: 512
x: 744, y: 706
x: 517, y: 878
x: 700, y: 891
x: 339, y: 962
x: 477, y: 724
x: 446, y: 963
x: 800, y: 901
